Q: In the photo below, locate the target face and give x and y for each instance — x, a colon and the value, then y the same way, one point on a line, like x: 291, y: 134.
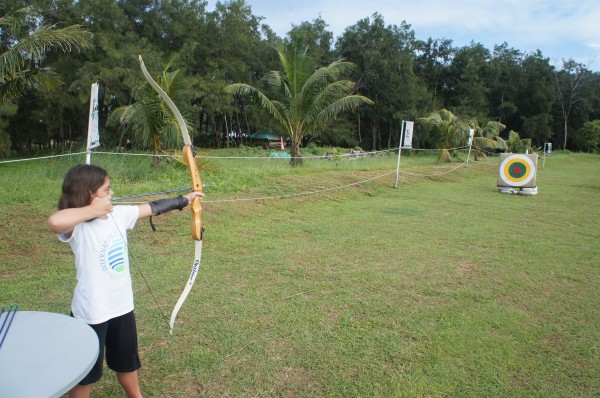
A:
x: 517, y: 170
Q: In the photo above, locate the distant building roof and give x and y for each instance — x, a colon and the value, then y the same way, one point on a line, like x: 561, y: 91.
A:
x: 263, y: 135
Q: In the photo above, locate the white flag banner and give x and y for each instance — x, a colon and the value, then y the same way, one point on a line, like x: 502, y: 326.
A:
x: 93, y: 131
x: 471, y: 134
x: 408, y: 134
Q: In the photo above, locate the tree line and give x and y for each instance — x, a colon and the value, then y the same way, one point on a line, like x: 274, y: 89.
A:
x: 405, y: 77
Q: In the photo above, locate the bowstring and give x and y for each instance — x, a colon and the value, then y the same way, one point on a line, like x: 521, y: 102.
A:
x: 137, y: 267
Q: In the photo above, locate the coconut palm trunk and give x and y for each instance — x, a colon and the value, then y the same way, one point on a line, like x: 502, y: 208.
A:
x: 296, y: 159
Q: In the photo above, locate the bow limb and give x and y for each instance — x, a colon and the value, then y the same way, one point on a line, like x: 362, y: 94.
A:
x: 188, y: 286
x: 197, y: 230
x: 182, y: 124
x: 189, y: 157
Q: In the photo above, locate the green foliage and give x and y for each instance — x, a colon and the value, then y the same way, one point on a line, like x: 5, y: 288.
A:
x: 570, y: 84
x: 515, y: 144
x: 315, y: 38
x: 538, y: 128
x: 4, y: 144
x: 313, y: 148
x: 384, y: 56
x: 431, y: 63
x: 256, y: 151
x: 26, y: 43
x: 588, y: 137
x: 467, y: 76
x: 6, y: 111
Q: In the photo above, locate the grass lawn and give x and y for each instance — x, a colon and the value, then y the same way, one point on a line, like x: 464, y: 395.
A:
x: 440, y: 288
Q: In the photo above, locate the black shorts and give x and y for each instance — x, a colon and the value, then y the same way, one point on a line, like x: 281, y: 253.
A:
x: 119, y: 336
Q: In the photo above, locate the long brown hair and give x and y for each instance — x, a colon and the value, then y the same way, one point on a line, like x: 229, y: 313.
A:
x: 79, y: 185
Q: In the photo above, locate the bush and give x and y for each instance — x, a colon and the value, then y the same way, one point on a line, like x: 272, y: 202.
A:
x: 587, y: 138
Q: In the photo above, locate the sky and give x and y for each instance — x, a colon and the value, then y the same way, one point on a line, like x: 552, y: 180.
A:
x: 559, y: 29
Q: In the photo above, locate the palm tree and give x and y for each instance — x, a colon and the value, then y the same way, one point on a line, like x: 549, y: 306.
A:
x: 22, y: 55
x: 516, y: 144
x: 486, y: 137
x: 301, y: 98
x: 149, y: 119
x: 454, y: 132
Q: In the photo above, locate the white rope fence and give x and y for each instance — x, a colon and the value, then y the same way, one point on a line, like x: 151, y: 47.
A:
x: 42, y: 157
x: 315, y: 192
x: 325, y: 156
x: 273, y: 197
x: 437, y: 174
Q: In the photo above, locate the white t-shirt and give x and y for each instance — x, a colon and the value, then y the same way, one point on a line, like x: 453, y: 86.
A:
x: 104, y: 289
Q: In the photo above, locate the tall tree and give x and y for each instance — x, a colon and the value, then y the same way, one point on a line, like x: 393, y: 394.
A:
x: 314, y: 36
x: 301, y: 98
x: 569, y: 83
x: 534, y: 99
x: 431, y: 66
x: 505, y: 79
x: 232, y: 56
x: 385, y: 73
x: 468, y: 90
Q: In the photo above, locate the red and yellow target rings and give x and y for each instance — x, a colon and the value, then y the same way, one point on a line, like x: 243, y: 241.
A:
x: 517, y: 170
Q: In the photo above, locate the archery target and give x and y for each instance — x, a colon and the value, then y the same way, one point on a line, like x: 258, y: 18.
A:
x: 517, y: 170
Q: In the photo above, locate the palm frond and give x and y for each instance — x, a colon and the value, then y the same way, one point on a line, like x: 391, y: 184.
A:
x: 342, y: 104
x: 271, y: 79
x: 33, y: 48
x: 20, y: 63
x: 13, y: 21
x: 502, y: 144
x: 13, y: 86
x: 484, y: 142
x: 265, y: 102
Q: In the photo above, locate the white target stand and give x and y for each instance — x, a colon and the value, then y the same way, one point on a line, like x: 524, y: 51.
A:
x: 517, y: 174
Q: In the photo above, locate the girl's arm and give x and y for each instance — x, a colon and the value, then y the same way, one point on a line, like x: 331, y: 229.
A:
x: 146, y: 209
x: 64, y: 221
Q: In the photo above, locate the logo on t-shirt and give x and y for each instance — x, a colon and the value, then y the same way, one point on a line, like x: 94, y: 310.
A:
x: 113, y: 257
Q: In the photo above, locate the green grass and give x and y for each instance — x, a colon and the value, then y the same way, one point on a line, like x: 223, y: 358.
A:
x: 440, y: 288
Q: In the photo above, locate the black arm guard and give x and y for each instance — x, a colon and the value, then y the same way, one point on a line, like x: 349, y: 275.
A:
x: 165, y: 205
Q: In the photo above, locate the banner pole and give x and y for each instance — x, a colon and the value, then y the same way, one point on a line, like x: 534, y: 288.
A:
x: 93, y: 138
x: 471, y: 134
x: 544, y: 158
x: 399, y: 153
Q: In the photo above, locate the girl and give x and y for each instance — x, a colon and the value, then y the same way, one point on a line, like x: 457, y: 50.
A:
x: 103, y: 298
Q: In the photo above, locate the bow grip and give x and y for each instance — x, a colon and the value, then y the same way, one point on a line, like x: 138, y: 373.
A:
x: 190, y: 161
x: 197, y: 229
